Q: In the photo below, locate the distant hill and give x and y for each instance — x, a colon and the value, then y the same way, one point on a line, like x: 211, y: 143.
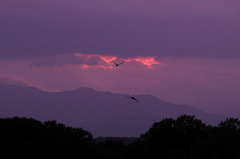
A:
x: 101, y: 113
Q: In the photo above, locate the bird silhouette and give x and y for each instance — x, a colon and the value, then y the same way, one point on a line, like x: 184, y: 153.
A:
x: 117, y: 64
x: 133, y: 98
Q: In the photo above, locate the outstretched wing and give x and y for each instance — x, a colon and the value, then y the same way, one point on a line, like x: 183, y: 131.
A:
x: 135, y: 99
x: 121, y: 63
x: 114, y: 62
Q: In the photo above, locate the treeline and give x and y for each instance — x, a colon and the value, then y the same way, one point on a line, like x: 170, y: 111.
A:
x: 184, y: 137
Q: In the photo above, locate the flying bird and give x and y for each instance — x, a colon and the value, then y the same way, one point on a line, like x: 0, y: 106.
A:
x: 117, y: 64
x: 133, y: 98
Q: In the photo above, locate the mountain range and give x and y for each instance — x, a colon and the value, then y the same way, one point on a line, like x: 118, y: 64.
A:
x: 101, y: 113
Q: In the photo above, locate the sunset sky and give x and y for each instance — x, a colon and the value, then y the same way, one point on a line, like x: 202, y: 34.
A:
x: 181, y: 51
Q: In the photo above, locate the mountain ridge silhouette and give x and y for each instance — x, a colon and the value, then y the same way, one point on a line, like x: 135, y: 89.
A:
x: 102, y: 113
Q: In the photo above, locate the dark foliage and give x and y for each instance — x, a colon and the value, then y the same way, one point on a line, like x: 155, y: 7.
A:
x: 186, y: 137
x: 29, y: 138
x: 125, y: 140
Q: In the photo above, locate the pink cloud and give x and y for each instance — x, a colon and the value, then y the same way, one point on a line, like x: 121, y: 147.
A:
x: 207, y: 83
x: 147, y: 61
x: 9, y: 79
x: 108, y: 59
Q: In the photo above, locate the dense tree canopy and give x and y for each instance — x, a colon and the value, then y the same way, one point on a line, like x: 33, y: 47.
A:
x: 184, y: 137
x: 21, y: 137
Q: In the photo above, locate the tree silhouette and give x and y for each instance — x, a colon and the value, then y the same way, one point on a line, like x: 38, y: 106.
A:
x: 231, y: 124
x: 169, y: 135
x: 22, y: 137
x: 183, y: 137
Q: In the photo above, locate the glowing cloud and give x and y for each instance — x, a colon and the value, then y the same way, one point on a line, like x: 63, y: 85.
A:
x: 84, y: 66
x: 147, y: 61
x: 108, y: 59
x: 209, y: 84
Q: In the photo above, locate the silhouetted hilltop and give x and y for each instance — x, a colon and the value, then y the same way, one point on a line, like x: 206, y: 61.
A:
x: 95, y: 111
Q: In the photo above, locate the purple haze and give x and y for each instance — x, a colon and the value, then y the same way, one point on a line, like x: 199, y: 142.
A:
x: 125, y: 28
x: 197, y: 41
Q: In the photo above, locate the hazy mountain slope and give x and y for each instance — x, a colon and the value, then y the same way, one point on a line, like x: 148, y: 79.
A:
x: 102, y: 113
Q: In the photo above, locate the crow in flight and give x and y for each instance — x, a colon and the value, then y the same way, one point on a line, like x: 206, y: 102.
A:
x: 117, y: 64
x: 133, y: 98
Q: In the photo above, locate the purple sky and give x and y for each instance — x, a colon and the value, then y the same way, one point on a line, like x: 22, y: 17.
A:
x: 186, y: 51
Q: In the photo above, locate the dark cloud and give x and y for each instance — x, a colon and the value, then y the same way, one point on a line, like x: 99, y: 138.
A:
x: 127, y: 28
x: 65, y: 59
x: 55, y: 60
